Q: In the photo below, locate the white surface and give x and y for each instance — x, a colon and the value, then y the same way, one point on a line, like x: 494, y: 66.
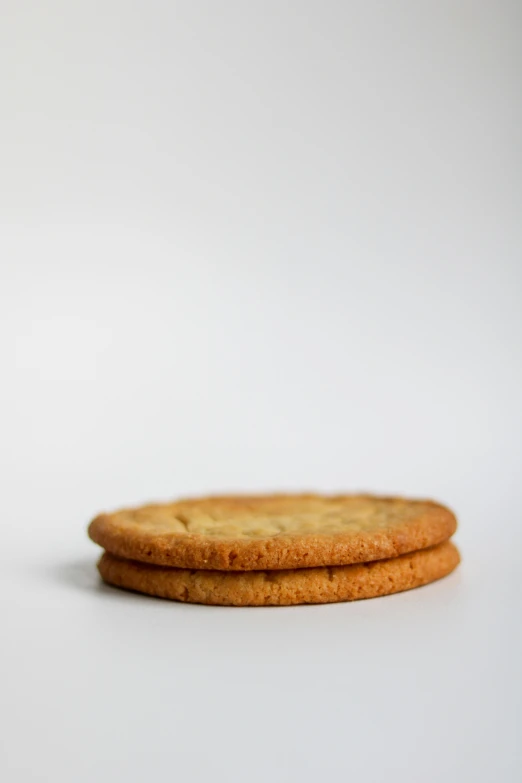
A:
x: 259, y: 246
x: 100, y: 684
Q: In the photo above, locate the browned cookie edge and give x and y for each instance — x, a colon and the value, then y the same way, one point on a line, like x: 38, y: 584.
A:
x: 285, y: 587
x: 433, y: 526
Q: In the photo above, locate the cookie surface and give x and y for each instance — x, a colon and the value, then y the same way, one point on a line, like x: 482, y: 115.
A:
x: 283, y: 588
x: 243, y: 533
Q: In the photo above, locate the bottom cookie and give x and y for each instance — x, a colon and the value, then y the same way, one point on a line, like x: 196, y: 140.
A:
x: 283, y: 588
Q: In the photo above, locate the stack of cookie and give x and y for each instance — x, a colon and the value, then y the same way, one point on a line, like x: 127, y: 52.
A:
x: 276, y: 549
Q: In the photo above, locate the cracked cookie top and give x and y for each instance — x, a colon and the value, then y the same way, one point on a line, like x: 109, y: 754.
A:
x: 272, y: 531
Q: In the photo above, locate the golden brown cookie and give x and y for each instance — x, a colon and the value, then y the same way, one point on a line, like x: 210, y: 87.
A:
x: 244, y: 533
x: 283, y: 588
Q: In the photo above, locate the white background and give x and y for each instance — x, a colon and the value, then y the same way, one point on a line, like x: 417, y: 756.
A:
x: 259, y: 246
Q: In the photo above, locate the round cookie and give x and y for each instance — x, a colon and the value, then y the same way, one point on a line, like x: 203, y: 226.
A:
x: 244, y: 533
x: 283, y: 588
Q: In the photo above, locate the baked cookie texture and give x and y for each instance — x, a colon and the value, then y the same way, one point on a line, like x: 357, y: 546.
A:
x: 269, y: 532
x: 284, y: 587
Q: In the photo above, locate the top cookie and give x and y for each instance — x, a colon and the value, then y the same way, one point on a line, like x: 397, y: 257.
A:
x: 249, y: 533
